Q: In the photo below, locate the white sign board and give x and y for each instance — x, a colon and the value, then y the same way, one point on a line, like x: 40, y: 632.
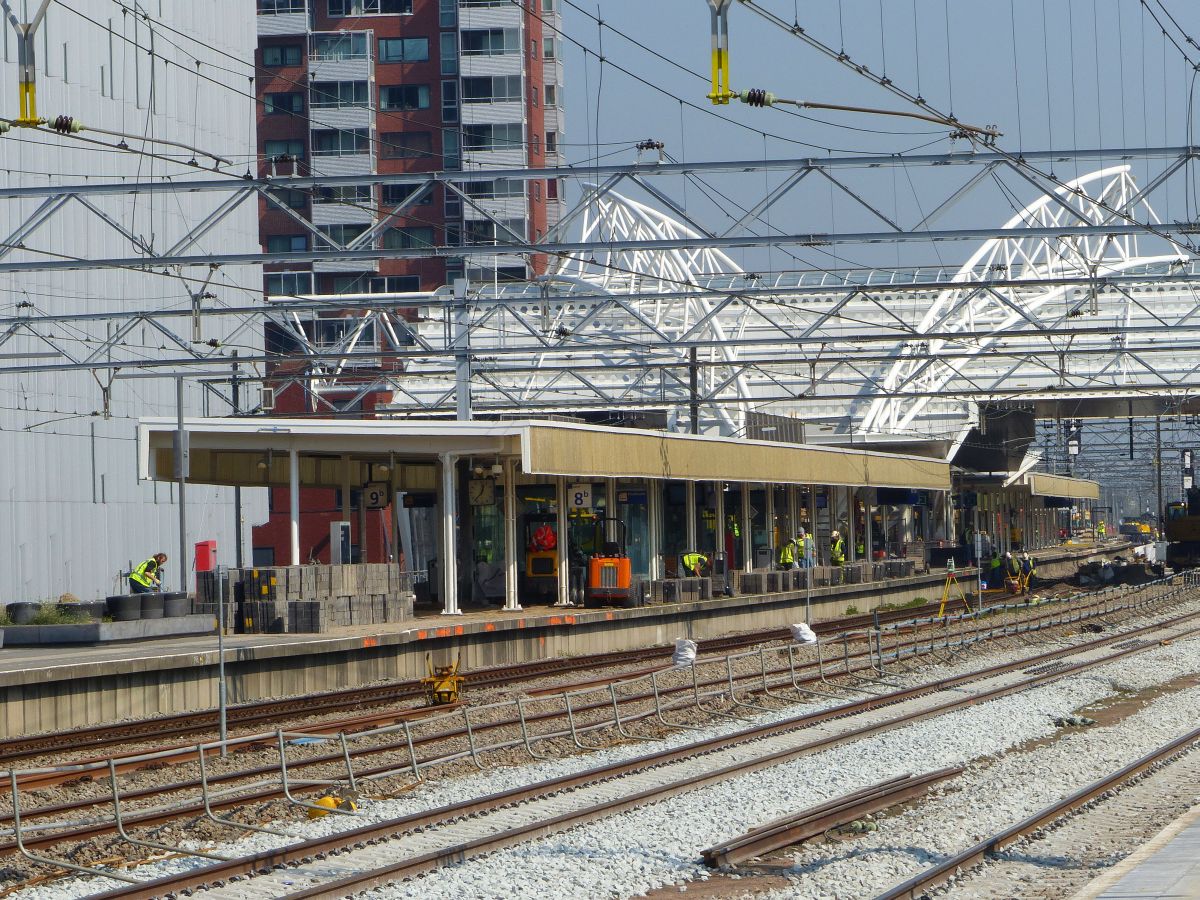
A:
x: 579, y: 496
x: 376, y: 495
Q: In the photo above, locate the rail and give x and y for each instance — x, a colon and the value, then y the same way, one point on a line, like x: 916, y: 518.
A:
x: 545, y: 809
x: 583, y: 717
x: 948, y: 868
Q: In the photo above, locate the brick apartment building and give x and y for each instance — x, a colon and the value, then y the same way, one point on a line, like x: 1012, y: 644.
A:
x: 349, y: 87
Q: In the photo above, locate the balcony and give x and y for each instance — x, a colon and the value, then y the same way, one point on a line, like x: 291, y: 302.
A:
x: 340, y: 55
x: 493, y: 113
x: 492, y: 15
x: 282, y: 17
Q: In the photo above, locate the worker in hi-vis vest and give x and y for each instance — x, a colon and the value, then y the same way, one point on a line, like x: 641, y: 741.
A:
x: 837, y: 549
x: 145, y: 579
x: 694, y: 563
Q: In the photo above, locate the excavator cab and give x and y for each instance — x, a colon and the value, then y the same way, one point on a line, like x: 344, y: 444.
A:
x: 609, y: 576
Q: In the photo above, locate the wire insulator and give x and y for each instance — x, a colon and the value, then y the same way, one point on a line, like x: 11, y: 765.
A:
x: 66, y: 125
x: 757, y: 97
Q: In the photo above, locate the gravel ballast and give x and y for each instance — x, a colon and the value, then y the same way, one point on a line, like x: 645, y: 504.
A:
x: 638, y: 851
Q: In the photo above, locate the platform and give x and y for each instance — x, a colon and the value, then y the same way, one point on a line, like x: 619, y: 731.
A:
x: 1167, y: 867
x: 47, y: 688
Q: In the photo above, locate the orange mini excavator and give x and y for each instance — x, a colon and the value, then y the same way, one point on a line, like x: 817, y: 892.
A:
x: 609, y: 577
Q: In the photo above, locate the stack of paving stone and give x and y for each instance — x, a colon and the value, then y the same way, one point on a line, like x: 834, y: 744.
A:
x: 311, y: 599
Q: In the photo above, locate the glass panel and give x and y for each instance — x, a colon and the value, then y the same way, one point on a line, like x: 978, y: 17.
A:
x: 537, y: 534
x: 706, y: 519
x: 760, y: 537
x: 781, y: 527
x: 674, y: 526
x: 487, y: 549
x: 633, y: 509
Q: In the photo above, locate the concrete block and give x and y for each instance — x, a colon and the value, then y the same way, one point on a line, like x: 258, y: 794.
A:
x: 103, y: 632
x: 672, y: 590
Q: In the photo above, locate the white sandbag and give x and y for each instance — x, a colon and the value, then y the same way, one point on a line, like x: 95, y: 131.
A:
x: 803, y: 634
x: 685, y: 653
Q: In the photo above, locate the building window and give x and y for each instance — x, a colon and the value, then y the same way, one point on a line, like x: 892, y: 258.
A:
x: 289, y: 198
x: 507, y: 136
x: 404, y: 96
x: 332, y: 331
x: 277, y: 149
x: 287, y: 243
x: 491, y: 88
x: 340, y: 141
x: 345, y: 45
x: 535, y: 146
x: 398, y: 194
x: 396, y: 50
x: 551, y: 141
x: 453, y: 206
x: 412, y: 238
x: 485, y: 231
x: 491, y: 41
x: 290, y: 104
x: 451, y: 149
x: 340, y: 234
x: 448, y: 13
x: 533, y: 95
x: 537, y: 192
x: 448, y: 43
x: 282, y: 55
x: 288, y: 284
x: 449, y: 101
x: 548, y: 48
x: 279, y: 7
x: 492, y: 190
x: 551, y: 95
x: 406, y: 145
x: 356, y: 194
x: 376, y: 284
x: 533, y: 49
x: 334, y: 94
x: 552, y: 189
x: 547, y: 5
x: 369, y: 7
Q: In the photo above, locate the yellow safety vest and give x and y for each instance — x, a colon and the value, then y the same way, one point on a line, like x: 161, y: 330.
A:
x: 143, y: 572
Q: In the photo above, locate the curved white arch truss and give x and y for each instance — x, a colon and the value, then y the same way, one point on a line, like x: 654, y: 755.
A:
x: 1100, y: 197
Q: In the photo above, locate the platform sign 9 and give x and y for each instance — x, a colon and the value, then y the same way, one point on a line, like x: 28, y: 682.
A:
x: 579, y: 496
x: 375, y: 496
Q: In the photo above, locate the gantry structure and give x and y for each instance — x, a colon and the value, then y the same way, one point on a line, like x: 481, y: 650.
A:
x: 1086, y: 292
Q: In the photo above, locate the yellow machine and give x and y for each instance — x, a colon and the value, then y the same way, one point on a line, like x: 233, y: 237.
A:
x: 443, y: 684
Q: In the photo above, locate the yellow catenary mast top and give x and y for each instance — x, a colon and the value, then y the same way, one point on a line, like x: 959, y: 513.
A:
x: 721, y: 91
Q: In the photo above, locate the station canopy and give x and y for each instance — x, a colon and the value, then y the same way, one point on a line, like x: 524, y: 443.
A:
x: 255, y: 451
x: 1043, y: 485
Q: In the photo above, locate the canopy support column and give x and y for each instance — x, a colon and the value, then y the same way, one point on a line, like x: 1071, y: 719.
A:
x: 449, y: 549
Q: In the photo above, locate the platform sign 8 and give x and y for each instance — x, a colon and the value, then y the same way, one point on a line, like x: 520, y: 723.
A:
x: 579, y: 496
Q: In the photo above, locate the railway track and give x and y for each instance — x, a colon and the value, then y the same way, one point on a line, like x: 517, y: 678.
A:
x: 761, y: 681
x: 978, y: 856
x: 267, y: 712
x: 361, y: 857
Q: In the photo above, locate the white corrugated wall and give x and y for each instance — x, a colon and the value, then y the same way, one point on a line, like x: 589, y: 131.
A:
x: 72, y: 513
